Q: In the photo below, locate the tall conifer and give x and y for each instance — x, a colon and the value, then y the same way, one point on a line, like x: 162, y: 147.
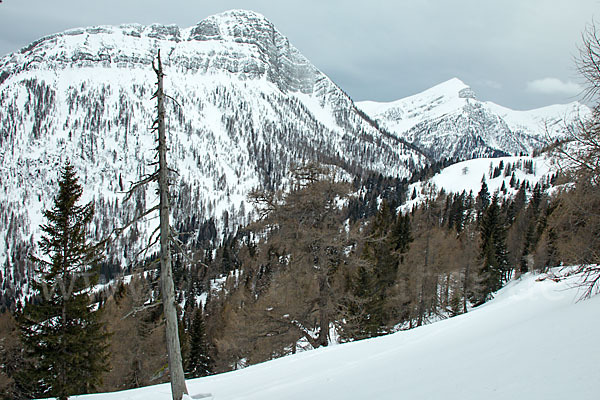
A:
x: 64, y: 340
x: 199, y: 362
x: 493, y: 252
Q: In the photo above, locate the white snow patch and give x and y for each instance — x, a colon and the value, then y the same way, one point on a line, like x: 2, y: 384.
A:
x: 467, y: 176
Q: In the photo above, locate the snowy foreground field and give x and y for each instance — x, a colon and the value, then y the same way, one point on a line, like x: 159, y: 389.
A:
x: 533, y: 341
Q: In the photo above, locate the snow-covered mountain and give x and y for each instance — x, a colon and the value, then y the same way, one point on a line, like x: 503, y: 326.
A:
x: 532, y: 341
x: 447, y: 121
x: 247, y: 106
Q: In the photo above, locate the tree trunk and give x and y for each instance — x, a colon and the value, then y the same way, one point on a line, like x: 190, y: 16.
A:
x: 421, y: 306
x: 178, y: 387
x: 466, y: 285
x: 446, y: 300
x: 323, y: 338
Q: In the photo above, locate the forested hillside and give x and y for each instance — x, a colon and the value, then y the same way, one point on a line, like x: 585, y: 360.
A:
x: 297, y: 221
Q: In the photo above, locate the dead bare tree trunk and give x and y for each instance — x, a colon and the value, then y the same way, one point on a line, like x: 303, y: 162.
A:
x: 178, y: 387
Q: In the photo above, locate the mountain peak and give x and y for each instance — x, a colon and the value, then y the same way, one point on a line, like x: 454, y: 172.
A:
x: 456, y: 82
x: 232, y: 24
x: 453, y: 88
x: 447, y: 121
x: 240, y: 42
x: 241, y: 14
x: 438, y: 100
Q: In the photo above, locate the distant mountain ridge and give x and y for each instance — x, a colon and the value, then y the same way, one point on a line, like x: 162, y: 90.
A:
x: 447, y: 121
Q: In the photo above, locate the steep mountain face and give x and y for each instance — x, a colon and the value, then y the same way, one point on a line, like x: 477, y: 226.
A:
x: 447, y: 121
x: 246, y: 106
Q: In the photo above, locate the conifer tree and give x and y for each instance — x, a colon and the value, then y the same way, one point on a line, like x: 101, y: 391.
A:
x: 493, y: 254
x: 401, y: 235
x: 363, y: 309
x: 64, y: 340
x: 388, y: 240
x: 199, y: 362
x: 482, y: 200
x: 379, y: 250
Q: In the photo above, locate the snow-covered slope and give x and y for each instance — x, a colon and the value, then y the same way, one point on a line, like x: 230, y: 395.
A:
x: 447, y: 121
x: 533, y: 341
x: 468, y: 175
x: 247, y: 107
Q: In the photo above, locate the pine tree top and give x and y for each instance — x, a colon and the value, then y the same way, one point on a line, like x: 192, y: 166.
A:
x: 64, y: 234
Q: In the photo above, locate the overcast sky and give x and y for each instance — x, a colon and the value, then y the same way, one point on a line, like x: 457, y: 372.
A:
x: 517, y: 53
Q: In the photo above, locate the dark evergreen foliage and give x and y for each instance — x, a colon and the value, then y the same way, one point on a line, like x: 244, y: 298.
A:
x: 387, y: 241
x: 363, y: 308
x: 198, y: 362
x: 65, y: 343
x: 493, y: 254
x: 483, y: 198
x: 373, y: 189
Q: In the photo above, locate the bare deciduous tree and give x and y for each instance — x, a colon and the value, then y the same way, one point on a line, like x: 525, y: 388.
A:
x: 576, y: 221
x: 306, y: 239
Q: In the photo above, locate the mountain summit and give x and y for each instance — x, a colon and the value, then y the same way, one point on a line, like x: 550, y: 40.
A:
x: 448, y: 121
x: 237, y: 42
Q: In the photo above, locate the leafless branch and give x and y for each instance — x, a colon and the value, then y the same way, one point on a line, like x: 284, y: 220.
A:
x: 266, y: 202
x: 150, y: 178
x: 590, y: 281
x: 136, y: 310
x: 175, y: 101
x: 179, y: 245
x: 118, y: 231
x: 149, y: 245
x: 588, y: 62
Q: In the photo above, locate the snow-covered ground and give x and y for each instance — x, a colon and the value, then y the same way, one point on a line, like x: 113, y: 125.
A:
x: 533, y: 341
x: 467, y: 176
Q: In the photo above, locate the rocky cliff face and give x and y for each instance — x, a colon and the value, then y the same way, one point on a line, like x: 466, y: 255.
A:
x: 246, y: 107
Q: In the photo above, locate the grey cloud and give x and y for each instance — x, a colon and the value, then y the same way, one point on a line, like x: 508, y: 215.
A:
x: 554, y: 86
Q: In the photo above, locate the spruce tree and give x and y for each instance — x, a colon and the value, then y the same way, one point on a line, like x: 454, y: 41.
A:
x: 199, y: 362
x: 64, y: 340
x: 401, y: 235
x: 363, y: 307
x: 388, y: 240
x: 493, y: 254
x: 482, y: 201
